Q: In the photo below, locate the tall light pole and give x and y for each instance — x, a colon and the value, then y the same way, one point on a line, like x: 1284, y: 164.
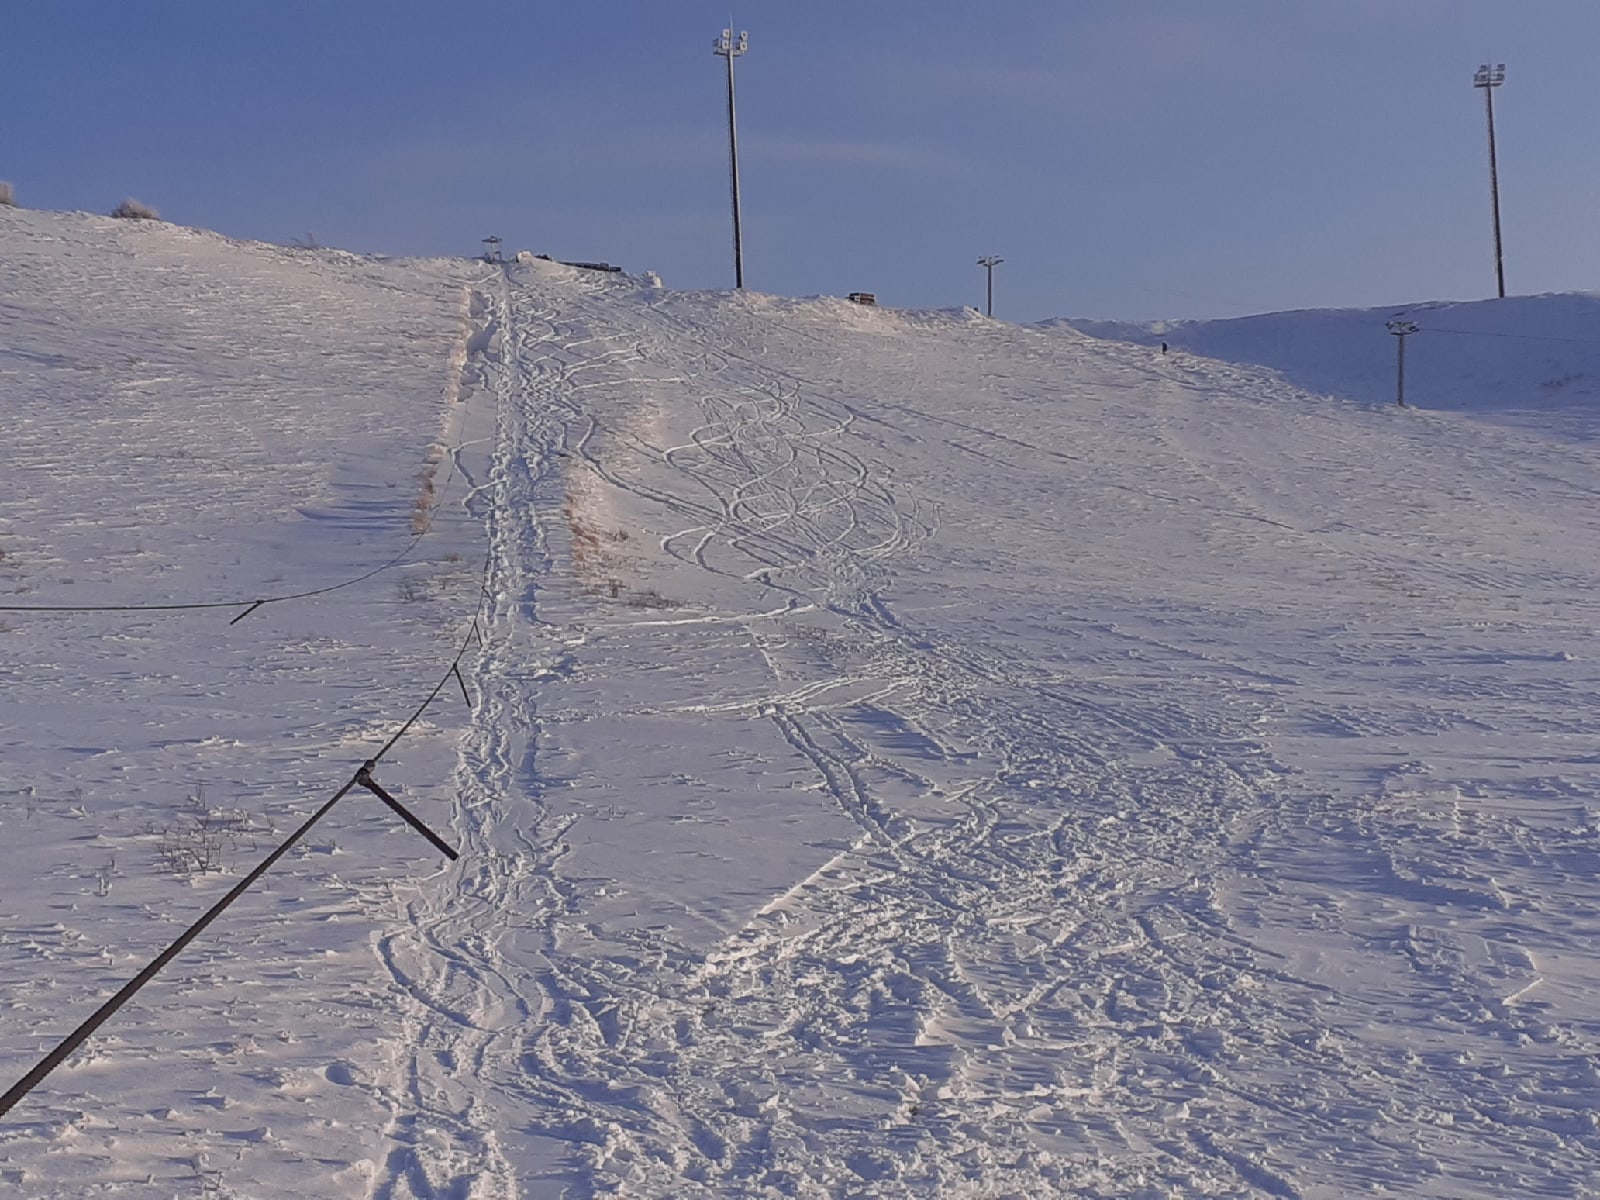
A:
x: 726, y: 47
x: 1488, y: 78
x: 988, y: 262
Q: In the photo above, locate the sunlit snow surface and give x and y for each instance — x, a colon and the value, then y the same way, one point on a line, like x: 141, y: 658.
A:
x: 911, y: 754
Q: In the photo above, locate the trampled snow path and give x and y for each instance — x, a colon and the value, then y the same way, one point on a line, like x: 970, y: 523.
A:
x: 912, y: 754
x: 922, y: 757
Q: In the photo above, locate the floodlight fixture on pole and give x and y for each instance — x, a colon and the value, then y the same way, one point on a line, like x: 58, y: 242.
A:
x: 730, y: 48
x: 988, y: 262
x: 1401, y: 329
x: 1488, y: 78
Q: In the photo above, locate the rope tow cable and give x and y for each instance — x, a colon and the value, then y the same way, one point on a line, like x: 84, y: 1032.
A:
x: 82, y: 1033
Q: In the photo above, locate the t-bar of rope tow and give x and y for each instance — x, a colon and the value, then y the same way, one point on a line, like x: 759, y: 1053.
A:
x: 365, y: 779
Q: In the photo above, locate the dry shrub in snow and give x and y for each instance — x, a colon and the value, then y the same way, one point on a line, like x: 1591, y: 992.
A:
x: 135, y: 210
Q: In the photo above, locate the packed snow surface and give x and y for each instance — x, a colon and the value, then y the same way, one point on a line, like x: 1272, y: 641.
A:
x: 908, y: 754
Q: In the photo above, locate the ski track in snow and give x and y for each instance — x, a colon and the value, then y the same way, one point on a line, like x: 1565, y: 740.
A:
x: 1040, y: 945
x: 912, y: 755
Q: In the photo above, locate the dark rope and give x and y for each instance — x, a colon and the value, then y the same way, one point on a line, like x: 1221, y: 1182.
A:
x: 362, y: 777
x: 81, y: 1034
x: 250, y: 606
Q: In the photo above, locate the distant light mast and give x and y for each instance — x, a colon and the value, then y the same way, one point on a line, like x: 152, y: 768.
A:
x: 989, y: 262
x: 726, y: 47
x: 1488, y: 78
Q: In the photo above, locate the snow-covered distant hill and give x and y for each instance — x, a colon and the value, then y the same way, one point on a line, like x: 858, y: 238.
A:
x: 907, y: 754
x: 1523, y: 356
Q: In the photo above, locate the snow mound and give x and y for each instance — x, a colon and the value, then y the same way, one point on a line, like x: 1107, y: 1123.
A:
x: 1527, y: 354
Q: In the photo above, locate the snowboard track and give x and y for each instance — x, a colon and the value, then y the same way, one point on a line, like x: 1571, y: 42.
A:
x: 1026, y: 975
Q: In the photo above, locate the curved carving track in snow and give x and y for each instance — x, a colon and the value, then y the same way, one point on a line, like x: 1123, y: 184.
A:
x: 913, y: 759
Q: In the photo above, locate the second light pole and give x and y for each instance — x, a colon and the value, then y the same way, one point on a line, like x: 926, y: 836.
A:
x: 988, y: 262
x: 1488, y: 77
x: 726, y: 47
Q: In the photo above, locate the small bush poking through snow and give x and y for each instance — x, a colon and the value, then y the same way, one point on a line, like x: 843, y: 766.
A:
x: 8, y: 196
x: 135, y: 210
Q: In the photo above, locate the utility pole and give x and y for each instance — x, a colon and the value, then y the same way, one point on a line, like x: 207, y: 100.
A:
x: 988, y: 262
x: 1488, y: 78
x: 726, y: 47
x: 1401, y: 330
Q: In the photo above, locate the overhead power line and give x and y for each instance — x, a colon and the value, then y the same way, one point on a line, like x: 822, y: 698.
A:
x: 1532, y: 337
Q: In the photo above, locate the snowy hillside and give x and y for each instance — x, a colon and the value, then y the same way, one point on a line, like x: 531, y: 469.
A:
x: 1518, y: 359
x: 909, y: 754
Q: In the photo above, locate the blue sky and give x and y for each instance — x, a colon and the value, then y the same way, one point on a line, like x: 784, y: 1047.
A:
x: 1127, y: 158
